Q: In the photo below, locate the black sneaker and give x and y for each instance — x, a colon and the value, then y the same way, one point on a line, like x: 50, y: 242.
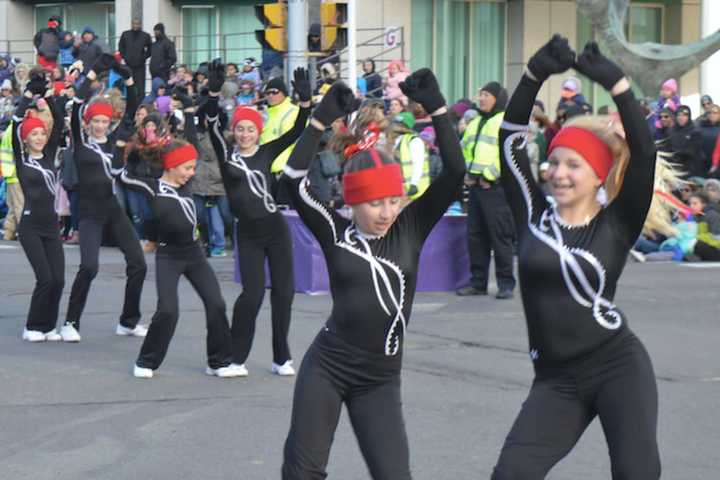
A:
x: 470, y: 290
x: 504, y: 295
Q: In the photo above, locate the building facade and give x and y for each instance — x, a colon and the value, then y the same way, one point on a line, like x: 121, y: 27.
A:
x: 466, y: 42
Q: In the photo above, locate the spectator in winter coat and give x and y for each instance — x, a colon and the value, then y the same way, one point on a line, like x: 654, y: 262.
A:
x: 162, y: 54
x: 373, y: 80
x: 571, y: 92
x: 7, y: 103
x: 158, y: 89
x: 47, y: 43
x: 686, y: 143
x: 22, y: 76
x: 668, y: 98
x: 709, y: 126
x: 134, y: 47
x: 396, y: 74
x: 67, y: 45
x: 706, y: 102
x: 88, y: 50
x: 662, y: 134
x: 6, y: 67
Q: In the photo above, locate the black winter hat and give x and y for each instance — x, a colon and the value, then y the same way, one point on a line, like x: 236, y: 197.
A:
x: 497, y: 91
x: 684, y: 109
x: 159, y: 27
x: 277, y: 83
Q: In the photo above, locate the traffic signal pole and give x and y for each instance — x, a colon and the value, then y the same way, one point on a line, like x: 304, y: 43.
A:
x: 297, y: 36
x: 352, y: 44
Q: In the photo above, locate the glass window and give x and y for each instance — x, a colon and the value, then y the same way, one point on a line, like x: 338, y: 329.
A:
x: 237, y: 26
x: 470, y: 47
x: 199, y: 37
x: 644, y: 24
x: 421, y: 52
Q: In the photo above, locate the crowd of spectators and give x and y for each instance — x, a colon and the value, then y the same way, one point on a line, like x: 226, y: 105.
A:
x: 691, y: 144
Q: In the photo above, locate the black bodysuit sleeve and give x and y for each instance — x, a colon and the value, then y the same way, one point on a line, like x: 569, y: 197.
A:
x: 212, y: 117
x: 630, y: 207
x: 139, y: 184
x: 190, y: 130
x: 83, y: 95
x: 522, y: 192
x: 16, y: 124
x: 277, y: 146
x: 57, y: 109
x: 321, y: 219
x: 429, y: 208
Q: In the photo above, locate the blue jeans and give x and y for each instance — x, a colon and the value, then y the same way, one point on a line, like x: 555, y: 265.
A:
x: 210, y: 217
x: 644, y: 245
x: 139, y: 209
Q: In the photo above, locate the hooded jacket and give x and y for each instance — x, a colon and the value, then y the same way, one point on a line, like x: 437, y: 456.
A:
x: 162, y: 53
x: 686, y: 144
x: 134, y: 47
x: 392, y: 82
x: 156, y: 84
x: 90, y: 51
x: 7, y: 71
x: 47, y: 43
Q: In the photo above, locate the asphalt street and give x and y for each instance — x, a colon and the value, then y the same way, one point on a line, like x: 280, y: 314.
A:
x: 73, y: 411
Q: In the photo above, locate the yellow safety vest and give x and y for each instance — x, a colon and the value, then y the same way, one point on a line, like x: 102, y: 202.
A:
x: 480, y: 149
x: 7, y: 162
x: 407, y: 165
x: 280, y: 119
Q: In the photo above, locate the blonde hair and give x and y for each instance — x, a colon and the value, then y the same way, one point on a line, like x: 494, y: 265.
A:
x: 609, y: 129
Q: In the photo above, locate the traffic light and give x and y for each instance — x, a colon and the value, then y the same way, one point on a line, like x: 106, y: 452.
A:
x: 274, y: 18
x: 333, y: 19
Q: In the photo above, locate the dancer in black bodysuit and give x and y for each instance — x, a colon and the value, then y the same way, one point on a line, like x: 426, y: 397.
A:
x: 34, y: 148
x: 372, y: 262
x: 99, y: 159
x: 587, y: 361
x: 262, y: 232
x: 179, y: 254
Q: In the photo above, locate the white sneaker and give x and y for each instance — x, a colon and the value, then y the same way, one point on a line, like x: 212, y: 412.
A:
x: 138, y: 331
x: 140, y: 372
x: 284, y: 370
x: 638, y: 256
x: 224, y: 372
x: 33, y: 336
x: 53, y: 336
x: 69, y: 333
x: 240, y: 368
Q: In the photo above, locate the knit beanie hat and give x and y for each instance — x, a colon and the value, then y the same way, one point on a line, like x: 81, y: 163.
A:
x: 277, y: 84
x: 405, y: 118
x: 245, y: 113
x: 493, y: 88
x: 684, y: 109
x: 670, y: 84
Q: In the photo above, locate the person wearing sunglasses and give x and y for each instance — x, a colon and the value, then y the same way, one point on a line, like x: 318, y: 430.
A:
x: 666, y: 117
x: 280, y: 118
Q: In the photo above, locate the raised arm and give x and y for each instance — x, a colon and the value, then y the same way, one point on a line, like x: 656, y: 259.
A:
x: 632, y: 203
x: 322, y: 220
x: 211, y: 110
x: 428, y: 209
x: 190, y: 130
x: 16, y: 125
x: 524, y: 196
x: 301, y: 85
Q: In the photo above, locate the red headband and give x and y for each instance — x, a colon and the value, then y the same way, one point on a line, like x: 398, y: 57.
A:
x: 373, y: 183
x: 29, y: 124
x: 245, y: 113
x: 98, y: 108
x: 179, y: 156
x: 588, y: 145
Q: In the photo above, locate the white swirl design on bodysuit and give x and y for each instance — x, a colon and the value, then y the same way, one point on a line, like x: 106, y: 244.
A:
x: 549, y: 232
x: 187, y: 204
x: 381, y: 281
x: 256, y: 181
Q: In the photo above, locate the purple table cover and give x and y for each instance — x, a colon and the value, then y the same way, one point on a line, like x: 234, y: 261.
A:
x: 444, y: 262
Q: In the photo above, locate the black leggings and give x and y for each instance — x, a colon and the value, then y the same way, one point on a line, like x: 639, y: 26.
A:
x: 170, y: 264
x: 268, y: 238
x: 617, y: 384
x: 334, y: 372
x: 44, y: 250
x: 91, y: 231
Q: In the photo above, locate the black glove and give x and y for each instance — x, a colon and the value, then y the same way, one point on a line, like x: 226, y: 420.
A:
x: 180, y: 94
x: 597, y: 67
x: 422, y: 87
x: 338, y: 102
x: 104, y: 63
x: 412, y: 190
x: 556, y: 56
x: 301, y: 84
x: 216, y: 76
x: 38, y: 84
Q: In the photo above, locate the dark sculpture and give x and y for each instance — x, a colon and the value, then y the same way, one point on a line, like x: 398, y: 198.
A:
x: 648, y: 64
